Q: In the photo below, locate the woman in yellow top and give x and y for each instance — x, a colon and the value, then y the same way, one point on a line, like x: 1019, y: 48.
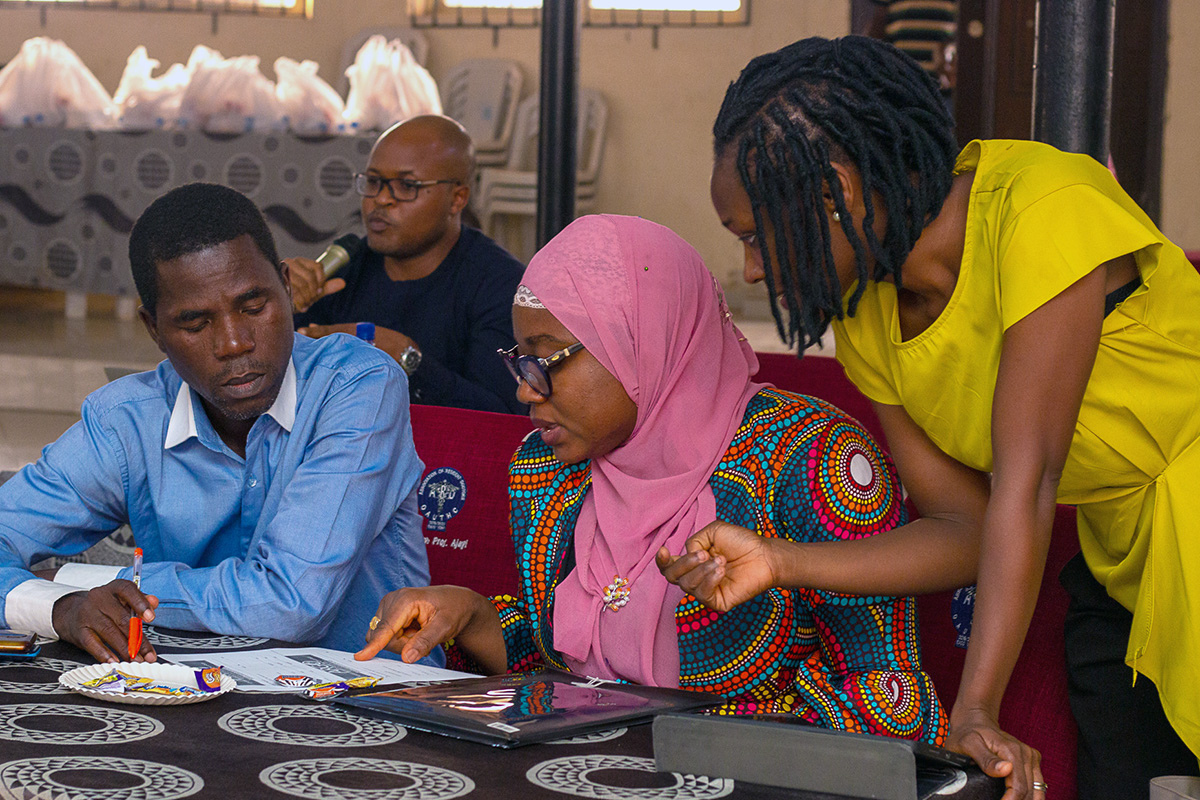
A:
x: 968, y: 301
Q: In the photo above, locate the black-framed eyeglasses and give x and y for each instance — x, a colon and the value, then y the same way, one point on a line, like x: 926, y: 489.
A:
x: 536, y: 371
x: 404, y: 190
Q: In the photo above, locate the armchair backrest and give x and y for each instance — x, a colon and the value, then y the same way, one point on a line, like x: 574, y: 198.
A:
x: 819, y: 376
x: 1035, y: 707
x: 463, y: 495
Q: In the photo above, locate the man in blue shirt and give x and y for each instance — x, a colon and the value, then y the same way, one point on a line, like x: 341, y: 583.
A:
x: 439, y: 292
x: 270, y: 479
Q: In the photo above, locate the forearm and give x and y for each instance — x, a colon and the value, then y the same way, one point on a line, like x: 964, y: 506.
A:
x: 1012, y: 560
x: 241, y: 598
x: 924, y: 556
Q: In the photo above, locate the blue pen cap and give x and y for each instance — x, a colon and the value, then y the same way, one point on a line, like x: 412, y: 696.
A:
x: 365, y: 331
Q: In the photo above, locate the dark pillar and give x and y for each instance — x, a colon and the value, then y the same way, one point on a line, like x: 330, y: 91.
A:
x: 557, y: 117
x: 1072, y: 98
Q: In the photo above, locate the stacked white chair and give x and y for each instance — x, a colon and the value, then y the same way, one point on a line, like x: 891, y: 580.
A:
x: 512, y: 189
x: 482, y: 94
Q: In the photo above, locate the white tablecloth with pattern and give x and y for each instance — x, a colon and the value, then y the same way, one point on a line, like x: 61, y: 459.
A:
x: 68, y: 198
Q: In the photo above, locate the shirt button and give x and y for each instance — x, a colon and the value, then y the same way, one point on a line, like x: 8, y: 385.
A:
x: 253, y: 482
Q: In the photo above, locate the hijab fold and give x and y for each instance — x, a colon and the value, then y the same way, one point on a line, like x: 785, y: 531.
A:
x: 642, y: 302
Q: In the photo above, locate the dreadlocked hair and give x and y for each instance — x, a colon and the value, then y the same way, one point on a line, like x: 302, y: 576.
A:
x: 790, y: 115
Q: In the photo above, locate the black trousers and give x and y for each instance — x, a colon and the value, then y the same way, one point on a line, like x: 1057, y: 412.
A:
x: 1124, y: 737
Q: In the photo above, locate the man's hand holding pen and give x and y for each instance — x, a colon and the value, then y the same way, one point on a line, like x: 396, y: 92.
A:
x: 98, y: 620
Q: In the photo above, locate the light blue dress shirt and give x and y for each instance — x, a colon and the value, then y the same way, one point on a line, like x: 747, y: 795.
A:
x: 297, y: 541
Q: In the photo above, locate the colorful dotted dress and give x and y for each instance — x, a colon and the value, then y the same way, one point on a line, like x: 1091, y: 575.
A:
x: 796, y: 468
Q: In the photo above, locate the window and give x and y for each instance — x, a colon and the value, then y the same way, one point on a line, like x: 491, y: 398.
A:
x: 281, y: 8
x: 669, y: 5
x: 596, y: 13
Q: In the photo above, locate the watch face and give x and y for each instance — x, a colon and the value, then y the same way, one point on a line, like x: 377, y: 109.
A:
x: 410, y: 359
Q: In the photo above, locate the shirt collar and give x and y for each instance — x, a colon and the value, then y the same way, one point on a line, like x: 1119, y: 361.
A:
x: 183, y: 418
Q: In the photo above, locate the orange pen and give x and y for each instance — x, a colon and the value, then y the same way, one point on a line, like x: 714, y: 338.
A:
x: 135, y: 621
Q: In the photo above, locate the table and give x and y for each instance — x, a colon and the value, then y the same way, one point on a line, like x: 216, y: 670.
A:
x: 68, y: 197
x: 59, y: 744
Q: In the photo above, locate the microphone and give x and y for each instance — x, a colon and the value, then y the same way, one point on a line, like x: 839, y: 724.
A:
x: 334, y: 258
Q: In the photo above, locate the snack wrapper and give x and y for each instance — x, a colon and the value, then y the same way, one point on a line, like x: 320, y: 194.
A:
x: 297, y: 681
x: 117, y: 682
x: 208, y: 680
x: 111, y: 682
x: 323, y: 691
x: 172, y: 691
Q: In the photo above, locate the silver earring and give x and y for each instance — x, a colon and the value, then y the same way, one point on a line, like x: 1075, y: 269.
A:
x: 837, y: 217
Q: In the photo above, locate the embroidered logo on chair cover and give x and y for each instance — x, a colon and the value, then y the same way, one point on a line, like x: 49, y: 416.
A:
x: 443, y: 494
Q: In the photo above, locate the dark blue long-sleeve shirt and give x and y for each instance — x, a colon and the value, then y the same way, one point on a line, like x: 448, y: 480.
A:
x: 458, y: 315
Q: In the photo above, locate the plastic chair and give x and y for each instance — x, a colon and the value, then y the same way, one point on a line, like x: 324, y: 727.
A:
x: 482, y: 94
x: 513, y: 189
x: 413, y: 39
x: 466, y: 455
x: 1175, y: 787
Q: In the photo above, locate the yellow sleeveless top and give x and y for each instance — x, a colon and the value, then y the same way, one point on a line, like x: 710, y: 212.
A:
x: 1039, y: 220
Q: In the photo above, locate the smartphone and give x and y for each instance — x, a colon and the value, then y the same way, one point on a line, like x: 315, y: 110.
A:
x: 18, y: 644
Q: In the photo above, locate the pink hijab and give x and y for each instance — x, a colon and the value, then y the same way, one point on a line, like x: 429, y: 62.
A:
x: 641, y: 301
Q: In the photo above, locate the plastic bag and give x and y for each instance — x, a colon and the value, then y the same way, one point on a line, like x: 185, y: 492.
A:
x: 387, y: 85
x: 422, y: 90
x: 145, y: 102
x: 228, y: 95
x: 47, y: 84
x: 309, y: 104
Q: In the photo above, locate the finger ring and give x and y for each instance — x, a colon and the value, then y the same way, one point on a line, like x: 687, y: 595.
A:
x: 374, y: 623
x: 1039, y: 786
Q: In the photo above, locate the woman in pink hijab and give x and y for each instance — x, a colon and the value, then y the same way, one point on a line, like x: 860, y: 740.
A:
x: 649, y: 429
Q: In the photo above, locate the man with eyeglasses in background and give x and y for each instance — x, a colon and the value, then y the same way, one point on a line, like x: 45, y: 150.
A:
x: 439, y: 292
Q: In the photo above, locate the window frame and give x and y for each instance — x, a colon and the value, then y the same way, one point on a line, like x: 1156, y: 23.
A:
x: 437, y: 14
x: 301, y: 9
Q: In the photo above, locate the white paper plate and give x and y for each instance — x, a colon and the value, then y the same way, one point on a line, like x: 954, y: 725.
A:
x: 170, y: 674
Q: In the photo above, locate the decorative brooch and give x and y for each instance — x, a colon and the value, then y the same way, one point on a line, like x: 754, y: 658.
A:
x: 616, y: 594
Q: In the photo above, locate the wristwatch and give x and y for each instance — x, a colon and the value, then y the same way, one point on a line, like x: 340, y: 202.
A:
x: 410, y: 359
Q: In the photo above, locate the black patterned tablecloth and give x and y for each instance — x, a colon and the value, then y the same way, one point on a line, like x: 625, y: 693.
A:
x: 59, y: 744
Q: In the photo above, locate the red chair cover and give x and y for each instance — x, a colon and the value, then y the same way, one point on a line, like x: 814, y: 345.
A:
x: 464, y: 495
x: 819, y: 376
x: 1035, y: 707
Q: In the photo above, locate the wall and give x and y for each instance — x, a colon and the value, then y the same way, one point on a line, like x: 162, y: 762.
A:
x: 1181, y: 143
x: 661, y: 101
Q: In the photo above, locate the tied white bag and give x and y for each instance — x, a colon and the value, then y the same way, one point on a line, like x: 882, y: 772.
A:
x: 228, y: 95
x: 47, y: 84
x: 422, y: 90
x: 145, y: 102
x: 387, y: 85
x: 309, y: 104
